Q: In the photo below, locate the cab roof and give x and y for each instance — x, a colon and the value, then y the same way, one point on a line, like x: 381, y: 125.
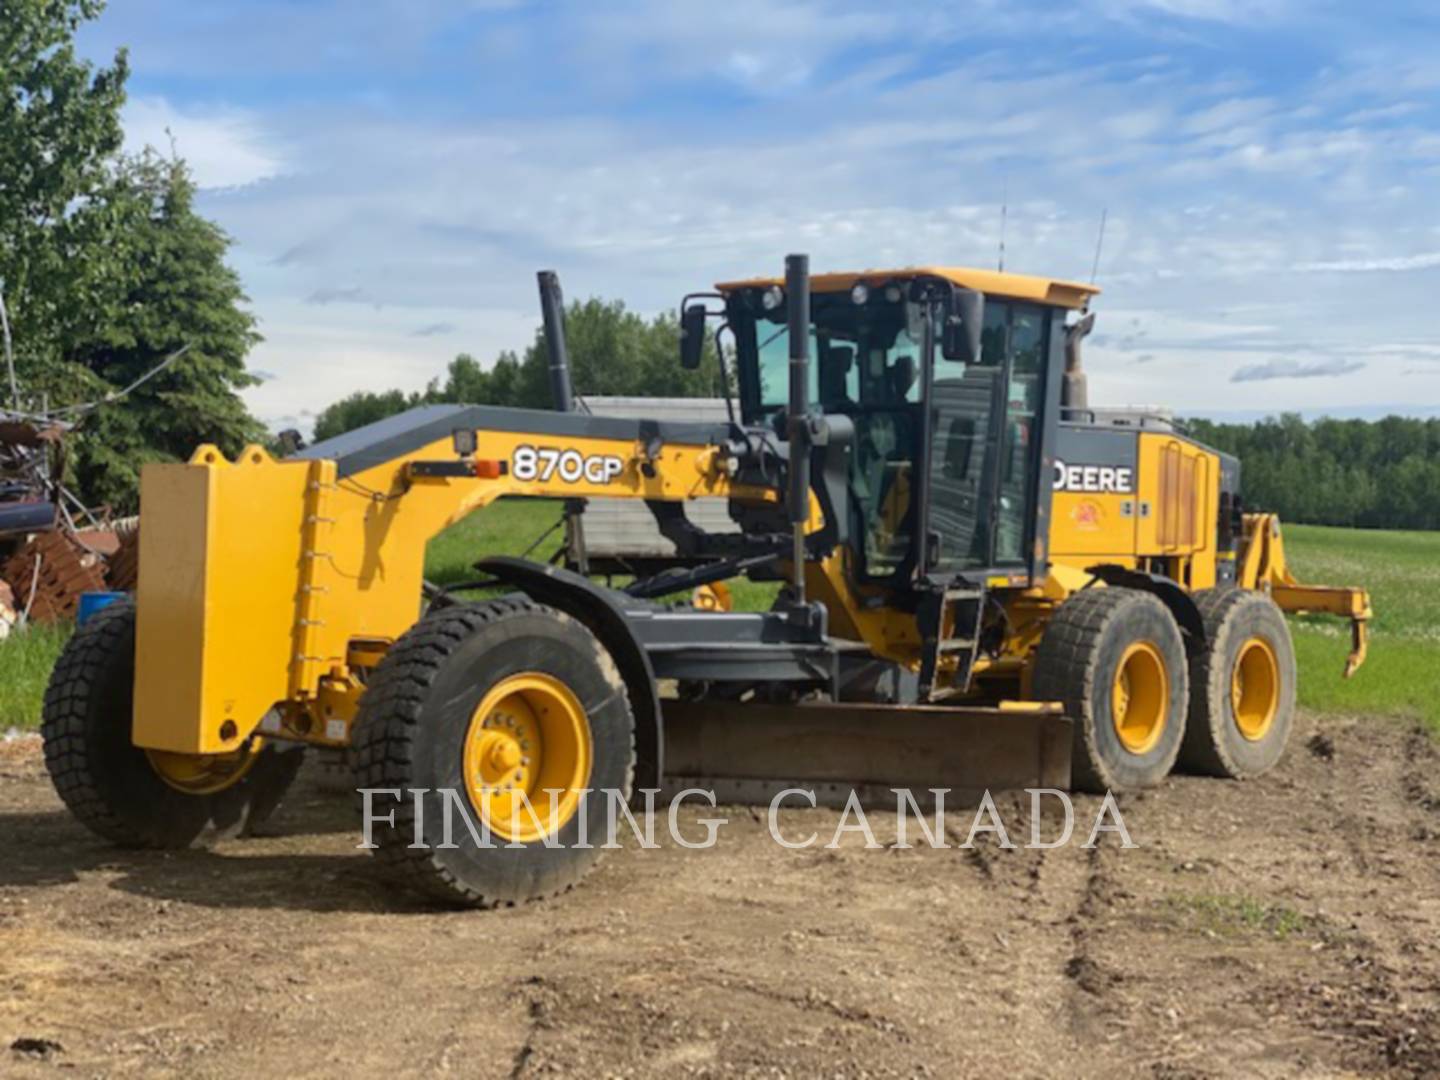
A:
x: 1068, y: 294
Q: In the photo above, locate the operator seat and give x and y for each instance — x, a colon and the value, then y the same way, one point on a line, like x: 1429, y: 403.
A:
x: 888, y: 524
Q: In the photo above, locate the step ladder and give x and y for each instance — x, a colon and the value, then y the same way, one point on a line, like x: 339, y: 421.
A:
x: 949, y: 629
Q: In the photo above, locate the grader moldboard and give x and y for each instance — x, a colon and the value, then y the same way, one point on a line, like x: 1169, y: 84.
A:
x: 986, y: 583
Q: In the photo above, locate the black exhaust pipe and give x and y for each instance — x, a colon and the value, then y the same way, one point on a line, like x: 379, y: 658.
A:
x: 552, y: 310
x: 797, y: 294
x: 562, y: 395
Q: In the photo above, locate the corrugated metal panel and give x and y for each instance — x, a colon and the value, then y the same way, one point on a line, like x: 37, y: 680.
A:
x: 624, y: 528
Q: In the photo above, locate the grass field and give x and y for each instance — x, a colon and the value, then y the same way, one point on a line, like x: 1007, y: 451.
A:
x: 26, y: 657
x: 1401, y: 570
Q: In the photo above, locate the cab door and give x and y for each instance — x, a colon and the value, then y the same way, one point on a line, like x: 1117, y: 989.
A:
x: 984, y: 446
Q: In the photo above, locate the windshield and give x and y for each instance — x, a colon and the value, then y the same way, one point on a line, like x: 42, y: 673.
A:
x: 860, y: 354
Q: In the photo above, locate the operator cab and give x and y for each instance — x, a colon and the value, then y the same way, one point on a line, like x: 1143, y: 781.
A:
x: 880, y: 348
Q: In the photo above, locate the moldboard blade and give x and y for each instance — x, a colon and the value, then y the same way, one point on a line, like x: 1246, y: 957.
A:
x: 748, y: 753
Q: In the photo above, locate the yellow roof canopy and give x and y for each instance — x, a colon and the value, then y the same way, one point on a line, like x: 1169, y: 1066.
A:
x: 1067, y: 294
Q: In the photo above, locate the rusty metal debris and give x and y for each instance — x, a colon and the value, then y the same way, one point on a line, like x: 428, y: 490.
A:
x: 52, y: 547
x: 51, y: 571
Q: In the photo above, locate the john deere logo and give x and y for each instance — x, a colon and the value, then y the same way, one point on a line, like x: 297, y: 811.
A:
x: 1107, y: 479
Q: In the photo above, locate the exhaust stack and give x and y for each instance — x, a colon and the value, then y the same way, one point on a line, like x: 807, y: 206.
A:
x: 1074, y: 392
x: 562, y: 394
x: 552, y: 310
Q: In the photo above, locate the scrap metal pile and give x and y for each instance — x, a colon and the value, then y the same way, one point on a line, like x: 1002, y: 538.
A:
x: 52, y: 547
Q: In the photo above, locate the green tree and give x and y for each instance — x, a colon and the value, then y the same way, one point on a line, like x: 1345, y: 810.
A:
x: 615, y: 352
x: 468, y: 383
x: 59, y: 130
x: 612, y: 352
x: 1376, y: 474
x: 106, y: 267
x: 359, y: 409
x: 169, y: 288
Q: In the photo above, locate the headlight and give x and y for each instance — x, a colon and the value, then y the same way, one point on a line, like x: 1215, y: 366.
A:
x: 772, y: 297
x: 859, y: 294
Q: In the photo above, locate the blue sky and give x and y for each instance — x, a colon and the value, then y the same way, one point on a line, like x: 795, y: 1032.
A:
x: 393, y: 173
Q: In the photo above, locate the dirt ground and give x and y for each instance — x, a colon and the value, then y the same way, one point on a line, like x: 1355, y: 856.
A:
x: 1286, y: 927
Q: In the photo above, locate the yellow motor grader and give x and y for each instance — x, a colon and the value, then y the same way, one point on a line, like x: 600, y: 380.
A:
x: 984, y: 582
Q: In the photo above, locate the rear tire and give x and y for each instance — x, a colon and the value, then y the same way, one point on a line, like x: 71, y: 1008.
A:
x: 107, y: 782
x: 1115, y: 658
x: 425, y: 722
x: 1242, y: 686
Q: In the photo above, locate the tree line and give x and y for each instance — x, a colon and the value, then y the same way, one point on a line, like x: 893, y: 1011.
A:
x: 613, y: 351
x: 1373, y: 474
x: 1382, y: 474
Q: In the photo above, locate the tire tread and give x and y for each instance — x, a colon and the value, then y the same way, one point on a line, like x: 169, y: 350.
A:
x: 382, y: 745
x: 69, y: 756
x: 1065, y: 670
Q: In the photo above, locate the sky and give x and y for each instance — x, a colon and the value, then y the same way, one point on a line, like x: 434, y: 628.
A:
x: 394, y: 172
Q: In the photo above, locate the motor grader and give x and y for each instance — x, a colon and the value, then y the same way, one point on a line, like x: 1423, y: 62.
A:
x: 982, y: 582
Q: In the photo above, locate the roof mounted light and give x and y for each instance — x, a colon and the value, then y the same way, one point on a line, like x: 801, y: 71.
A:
x: 859, y: 294
x: 772, y: 298
x: 893, y: 293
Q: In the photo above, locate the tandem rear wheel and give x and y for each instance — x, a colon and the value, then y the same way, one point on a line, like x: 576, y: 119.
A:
x: 1116, y: 659
x: 1242, y: 696
x: 505, y: 728
x: 144, y: 798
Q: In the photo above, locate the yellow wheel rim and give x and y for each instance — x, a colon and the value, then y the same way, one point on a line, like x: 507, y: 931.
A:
x: 1255, y: 688
x: 1140, y: 698
x: 204, y: 774
x: 528, y: 741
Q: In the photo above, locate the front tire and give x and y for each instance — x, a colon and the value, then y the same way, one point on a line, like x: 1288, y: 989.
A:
x: 1242, y: 686
x: 117, y: 789
x: 1115, y: 658
x: 474, y: 705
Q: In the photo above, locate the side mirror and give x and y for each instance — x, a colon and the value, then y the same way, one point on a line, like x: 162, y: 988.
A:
x: 692, y: 336
x: 964, y: 318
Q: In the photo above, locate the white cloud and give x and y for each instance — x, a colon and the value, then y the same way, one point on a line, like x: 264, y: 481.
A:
x: 1225, y: 11
x: 1296, y: 369
x: 225, y: 147
x: 658, y: 147
x: 1425, y: 261
x: 313, y: 362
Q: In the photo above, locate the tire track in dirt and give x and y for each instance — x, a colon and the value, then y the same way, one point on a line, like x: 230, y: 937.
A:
x: 1091, y: 979
x: 536, y: 1020
x: 1378, y: 1003
x: 1418, y: 779
x: 1048, y: 899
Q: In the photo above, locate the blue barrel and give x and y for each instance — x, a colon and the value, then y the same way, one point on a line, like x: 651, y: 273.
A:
x: 91, y: 602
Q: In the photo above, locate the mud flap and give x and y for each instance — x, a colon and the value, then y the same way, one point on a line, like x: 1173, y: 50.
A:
x: 748, y: 753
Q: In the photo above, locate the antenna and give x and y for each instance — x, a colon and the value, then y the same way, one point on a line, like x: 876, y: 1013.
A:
x: 1004, y: 215
x: 1099, y: 244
